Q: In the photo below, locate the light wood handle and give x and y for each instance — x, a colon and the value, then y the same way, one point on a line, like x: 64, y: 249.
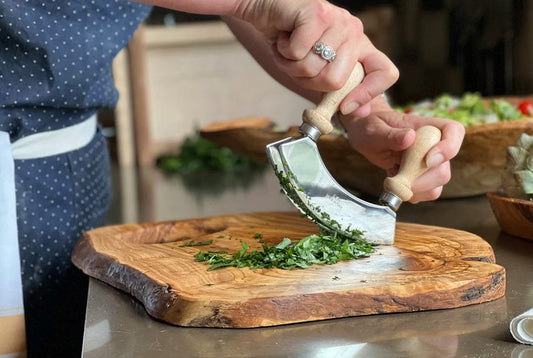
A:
x: 320, y: 117
x: 413, y: 165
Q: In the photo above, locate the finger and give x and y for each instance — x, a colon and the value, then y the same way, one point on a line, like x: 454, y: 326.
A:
x: 311, y: 67
x: 306, y: 30
x: 424, y: 187
x: 380, y: 74
x: 450, y: 144
x: 363, y: 111
x: 334, y: 37
x: 372, y: 133
x: 379, y: 142
x: 334, y: 74
x: 297, y: 45
x: 316, y: 73
x: 430, y: 195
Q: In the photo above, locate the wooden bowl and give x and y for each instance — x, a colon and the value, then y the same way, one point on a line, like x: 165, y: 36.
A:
x: 515, y: 216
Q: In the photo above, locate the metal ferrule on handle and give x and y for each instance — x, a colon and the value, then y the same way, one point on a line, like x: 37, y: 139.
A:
x: 390, y: 200
x: 310, y: 131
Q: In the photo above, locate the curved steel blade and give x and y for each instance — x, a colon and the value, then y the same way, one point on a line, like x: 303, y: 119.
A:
x: 308, y: 184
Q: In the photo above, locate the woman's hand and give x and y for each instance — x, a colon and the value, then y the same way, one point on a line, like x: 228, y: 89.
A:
x: 281, y: 35
x: 292, y: 27
x: 383, y: 136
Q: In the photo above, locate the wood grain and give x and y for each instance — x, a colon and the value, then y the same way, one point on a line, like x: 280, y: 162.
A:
x: 475, y: 170
x: 427, y: 268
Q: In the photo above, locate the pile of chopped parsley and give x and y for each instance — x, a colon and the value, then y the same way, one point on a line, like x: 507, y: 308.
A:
x: 316, y: 249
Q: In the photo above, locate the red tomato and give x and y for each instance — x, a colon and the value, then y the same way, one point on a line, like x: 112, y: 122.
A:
x: 526, y: 107
x: 408, y: 110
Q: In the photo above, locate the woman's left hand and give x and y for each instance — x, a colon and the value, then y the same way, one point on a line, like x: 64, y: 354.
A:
x: 383, y: 136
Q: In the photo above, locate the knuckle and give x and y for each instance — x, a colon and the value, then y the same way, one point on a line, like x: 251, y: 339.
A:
x: 321, y: 11
x: 445, y: 174
x: 435, y: 193
x: 356, y: 23
x: 393, y: 73
x: 364, y: 96
x: 371, y: 129
x: 334, y: 82
x: 460, y: 129
x: 307, y: 72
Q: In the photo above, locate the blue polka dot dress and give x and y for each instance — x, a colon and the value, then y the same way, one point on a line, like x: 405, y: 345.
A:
x: 55, y: 71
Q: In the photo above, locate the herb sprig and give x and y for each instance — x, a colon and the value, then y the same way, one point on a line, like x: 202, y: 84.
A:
x: 313, y: 212
x: 200, y: 154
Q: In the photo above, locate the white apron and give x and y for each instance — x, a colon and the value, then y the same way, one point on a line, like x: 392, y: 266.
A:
x: 13, y: 336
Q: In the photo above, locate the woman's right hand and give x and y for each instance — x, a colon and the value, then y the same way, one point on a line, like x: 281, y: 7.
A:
x: 293, y: 27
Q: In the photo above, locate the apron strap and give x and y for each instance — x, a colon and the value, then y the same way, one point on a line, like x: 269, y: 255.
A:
x: 45, y: 144
x: 13, y: 337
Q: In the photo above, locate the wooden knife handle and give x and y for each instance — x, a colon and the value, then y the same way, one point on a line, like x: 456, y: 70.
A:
x: 412, y: 165
x: 320, y: 117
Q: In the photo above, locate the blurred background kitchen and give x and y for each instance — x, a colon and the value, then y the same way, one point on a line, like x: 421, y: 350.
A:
x: 182, y: 72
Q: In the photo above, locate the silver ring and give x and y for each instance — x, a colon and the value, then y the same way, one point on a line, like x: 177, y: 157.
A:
x: 325, y: 51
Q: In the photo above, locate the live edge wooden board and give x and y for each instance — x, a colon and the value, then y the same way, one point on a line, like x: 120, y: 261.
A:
x: 427, y: 268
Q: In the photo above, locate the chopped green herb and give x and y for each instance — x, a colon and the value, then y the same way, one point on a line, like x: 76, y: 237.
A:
x: 320, y: 249
x: 314, y: 213
x: 258, y: 235
x: 336, y: 278
x: 198, y: 243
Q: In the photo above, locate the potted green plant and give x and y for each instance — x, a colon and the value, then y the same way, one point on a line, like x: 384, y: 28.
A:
x: 512, y: 204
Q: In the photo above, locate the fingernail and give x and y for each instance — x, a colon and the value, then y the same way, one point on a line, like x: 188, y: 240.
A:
x: 434, y: 160
x: 349, y: 108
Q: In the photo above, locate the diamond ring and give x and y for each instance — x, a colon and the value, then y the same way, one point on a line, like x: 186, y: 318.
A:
x: 325, y: 51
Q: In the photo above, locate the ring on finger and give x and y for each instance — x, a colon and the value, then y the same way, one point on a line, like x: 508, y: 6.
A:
x: 325, y: 51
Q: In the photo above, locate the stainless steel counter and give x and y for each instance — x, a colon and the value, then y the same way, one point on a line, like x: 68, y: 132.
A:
x: 118, y: 326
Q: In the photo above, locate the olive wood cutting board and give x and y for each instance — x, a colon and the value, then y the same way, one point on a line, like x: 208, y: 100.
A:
x: 427, y: 268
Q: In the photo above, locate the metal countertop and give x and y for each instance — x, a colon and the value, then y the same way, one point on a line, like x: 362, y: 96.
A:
x: 118, y: 326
